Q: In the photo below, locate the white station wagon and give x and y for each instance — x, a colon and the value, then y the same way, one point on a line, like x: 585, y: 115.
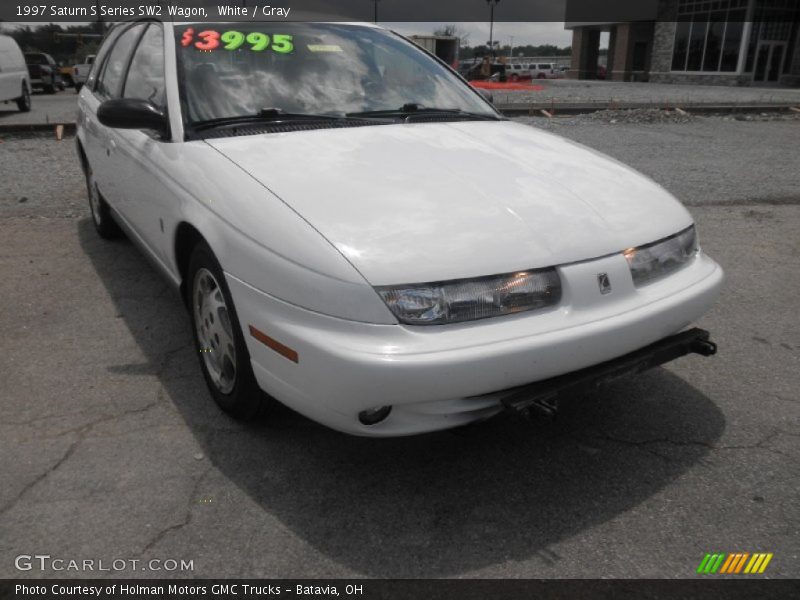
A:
x: 360, y: 235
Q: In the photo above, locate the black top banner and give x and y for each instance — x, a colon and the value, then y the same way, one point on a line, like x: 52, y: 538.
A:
x: 448, y: 11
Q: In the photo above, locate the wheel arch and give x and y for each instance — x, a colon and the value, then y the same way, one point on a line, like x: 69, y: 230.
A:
x: 187, y: 236
x: 81, y: 154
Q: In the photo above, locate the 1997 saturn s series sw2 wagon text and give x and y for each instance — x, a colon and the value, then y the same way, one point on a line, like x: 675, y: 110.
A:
x: 361, y: 235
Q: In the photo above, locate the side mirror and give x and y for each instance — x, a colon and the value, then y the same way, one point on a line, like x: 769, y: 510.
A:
x: 488, y: 96
x: 132, y: 113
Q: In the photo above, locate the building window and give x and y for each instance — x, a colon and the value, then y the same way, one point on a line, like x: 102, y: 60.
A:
x: 708, y: 35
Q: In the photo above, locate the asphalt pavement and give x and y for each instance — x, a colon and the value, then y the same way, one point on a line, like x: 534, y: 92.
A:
x: 58, y: 108
x: 113, y: 449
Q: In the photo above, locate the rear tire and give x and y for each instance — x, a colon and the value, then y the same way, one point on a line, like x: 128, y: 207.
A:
x: 104, y: 223
x: 24, y: 101
x: 218, y: 339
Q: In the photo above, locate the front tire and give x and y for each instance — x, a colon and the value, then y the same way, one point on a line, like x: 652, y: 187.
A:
x: 24, y: 101
x: 104, y: 223
x: 218, y: 339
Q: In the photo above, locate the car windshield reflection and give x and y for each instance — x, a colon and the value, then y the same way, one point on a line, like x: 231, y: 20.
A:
x: 234, y: 70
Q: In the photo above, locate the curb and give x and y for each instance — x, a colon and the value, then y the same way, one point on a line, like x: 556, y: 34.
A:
x: 535, y: 109
x: 69, y: 128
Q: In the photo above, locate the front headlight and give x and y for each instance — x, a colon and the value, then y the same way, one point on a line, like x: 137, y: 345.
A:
x: 472, y: 299
x: 663, y: 257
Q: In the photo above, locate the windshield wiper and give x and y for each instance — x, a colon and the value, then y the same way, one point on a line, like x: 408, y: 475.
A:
x: 269, y: 115
x: 411, y: 109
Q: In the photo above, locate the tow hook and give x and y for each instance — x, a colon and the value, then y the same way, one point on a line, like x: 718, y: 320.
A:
x: 704, y: 347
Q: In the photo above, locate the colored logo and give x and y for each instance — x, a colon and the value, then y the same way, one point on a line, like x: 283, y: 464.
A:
x: 735, y: 563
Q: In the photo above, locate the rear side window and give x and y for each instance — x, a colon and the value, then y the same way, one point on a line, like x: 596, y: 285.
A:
x: 146, y: 74
x: 110, y: 81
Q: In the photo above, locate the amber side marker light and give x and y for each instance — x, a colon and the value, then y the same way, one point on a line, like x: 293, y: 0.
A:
x: 275, y: 345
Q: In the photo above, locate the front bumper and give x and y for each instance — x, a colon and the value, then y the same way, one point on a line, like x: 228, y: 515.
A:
x: 440, y: 377
x: 543, y: 396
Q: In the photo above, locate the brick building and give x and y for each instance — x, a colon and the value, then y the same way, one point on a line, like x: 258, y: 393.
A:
x: 725, y: 42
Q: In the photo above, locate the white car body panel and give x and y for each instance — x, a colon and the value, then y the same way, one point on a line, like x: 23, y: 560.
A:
x: 305, y: 223
x: 13, y: 70
x: 80, y: 72
x: 435, y: 201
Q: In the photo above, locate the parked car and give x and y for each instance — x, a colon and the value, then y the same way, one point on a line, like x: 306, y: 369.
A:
x: 15, y: 84
x: 81, y: 71
x: 44, y: 72
x: 518, y: 72
x: 67, y: 76
x: 358, y: 234
x: 498, y: 72
x: 544, y: 70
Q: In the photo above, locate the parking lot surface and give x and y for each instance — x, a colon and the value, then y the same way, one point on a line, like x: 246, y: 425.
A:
x: 112, y: 447
x: 58, y: 108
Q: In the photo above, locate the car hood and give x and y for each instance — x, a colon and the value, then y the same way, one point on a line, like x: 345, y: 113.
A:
x: 411, y: 203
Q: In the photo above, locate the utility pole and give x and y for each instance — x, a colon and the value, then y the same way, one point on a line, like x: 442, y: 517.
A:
x: 101, y: 27
x: 375, y: 4
x: 492, y: 4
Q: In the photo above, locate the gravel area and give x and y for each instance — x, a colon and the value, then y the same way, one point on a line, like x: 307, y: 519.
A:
x: 610, y: 92
x: 40, y: 177
x: 749, y: 159
x: 743, y: 161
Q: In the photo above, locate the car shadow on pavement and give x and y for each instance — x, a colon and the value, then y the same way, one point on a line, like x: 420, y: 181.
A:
x: 435, y: 505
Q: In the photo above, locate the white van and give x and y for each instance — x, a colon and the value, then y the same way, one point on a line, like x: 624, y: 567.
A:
x: 15, y: 83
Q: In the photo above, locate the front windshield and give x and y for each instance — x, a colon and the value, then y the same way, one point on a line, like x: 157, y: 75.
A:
x: 239, y: 69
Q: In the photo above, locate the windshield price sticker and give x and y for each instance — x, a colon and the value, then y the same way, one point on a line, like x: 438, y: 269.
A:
x: 210, y: 40
x: 324, y: 48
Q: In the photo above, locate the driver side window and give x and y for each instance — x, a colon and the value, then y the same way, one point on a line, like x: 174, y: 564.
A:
x: 146, y: 80
x: 114, y: 70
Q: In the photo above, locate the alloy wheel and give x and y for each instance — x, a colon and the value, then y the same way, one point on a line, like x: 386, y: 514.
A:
x: 214, y: 331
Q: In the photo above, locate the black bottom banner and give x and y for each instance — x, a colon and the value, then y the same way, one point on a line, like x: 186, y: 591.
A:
x: 371, y: 589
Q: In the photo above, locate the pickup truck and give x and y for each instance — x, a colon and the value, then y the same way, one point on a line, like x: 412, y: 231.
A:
x: 44, y: 71
x: 81, y: 72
